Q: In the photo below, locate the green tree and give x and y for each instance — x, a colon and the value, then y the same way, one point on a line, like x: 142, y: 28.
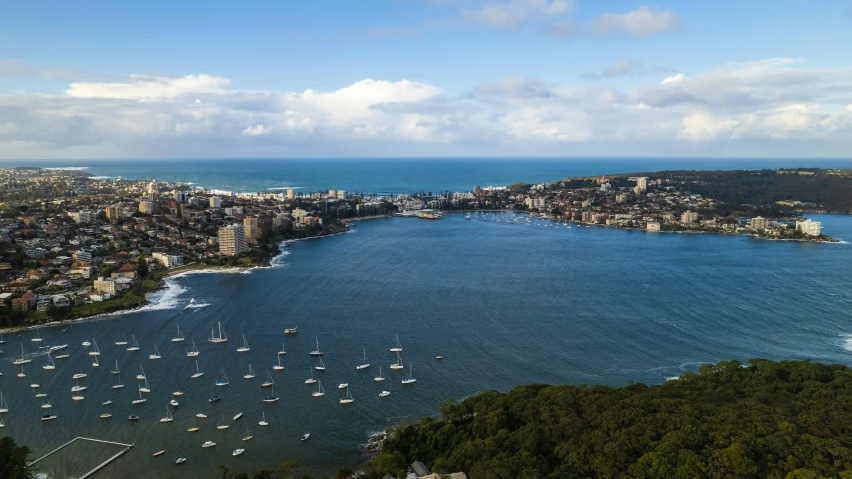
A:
x: 13, y: 460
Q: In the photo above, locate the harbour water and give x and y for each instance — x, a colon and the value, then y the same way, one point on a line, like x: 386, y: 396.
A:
x: 504, y: 303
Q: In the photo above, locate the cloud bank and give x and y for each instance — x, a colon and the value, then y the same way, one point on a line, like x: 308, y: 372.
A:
x: 771, y: 103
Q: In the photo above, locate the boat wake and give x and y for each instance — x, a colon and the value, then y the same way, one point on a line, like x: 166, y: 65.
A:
x: 196, y: 305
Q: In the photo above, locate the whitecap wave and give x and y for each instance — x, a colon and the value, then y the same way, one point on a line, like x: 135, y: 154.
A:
x: 69, y: 168
x: 847, y: 341
x: 100, y: 177
x: 286, y: 188
x: 196, y: 305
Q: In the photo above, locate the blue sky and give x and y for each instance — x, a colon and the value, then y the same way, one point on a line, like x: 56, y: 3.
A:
x: 434, y: 77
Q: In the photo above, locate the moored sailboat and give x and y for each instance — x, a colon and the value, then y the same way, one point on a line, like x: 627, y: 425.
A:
x: 221, y: 338
x: 179, y: 336
x: 245, y: 347
x: 193, y: 353
x: 319, y: 392
x: 365, y: 364
x: 250, y: 374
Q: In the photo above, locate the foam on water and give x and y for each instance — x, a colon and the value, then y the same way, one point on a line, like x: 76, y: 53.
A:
x: 69, y: 168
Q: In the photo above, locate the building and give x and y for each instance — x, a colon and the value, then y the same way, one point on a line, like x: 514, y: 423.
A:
x: 298, y: 213
x: 642, y: 183
x: 252, y: 228
x: 606, y: 188
x: 215, y: 202
x: 234, y: 210
x: 180, y: 196
x: 113, y: 212
x: 653, y: 226
x: 153, y: 187
x: 620, y: 198
x: 167, y: 260
x: 82, y: 255
x: 146, y: 207
x: 232, y: 240
x: 759, y: 223
x: 25, y: 302
x: 809, y: 228
x: 105, y: 284
x: 689, y: 217
x: 291, y: 194
x: 80, y: 217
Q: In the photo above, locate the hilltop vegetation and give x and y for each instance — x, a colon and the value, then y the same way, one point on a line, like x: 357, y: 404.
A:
x: 762, y: 420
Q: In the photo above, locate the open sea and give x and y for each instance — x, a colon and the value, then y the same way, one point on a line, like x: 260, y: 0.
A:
x: 504, y: 301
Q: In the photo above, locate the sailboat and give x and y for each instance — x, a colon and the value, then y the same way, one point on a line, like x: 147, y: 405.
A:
x: 141, y: 374
x: 96, y: 351
x: 116, y: 370
x: 319, y: 392
x: 263, y: 422
x: 410, y: 379
x: 379, y: 378
x: 106, y: 415
x: 348, y: 399
x: 179, y: 336
x: 237, y: 416
x: 269, y: 382
x: 365, y: 364
x: 22, y: 374
x: 223, y: 381
x: 77, y: 387
x: 50, y: 364
x: 95, y: 363
x: 282, y: 352
x: 279, y: 367
x: 37, y: 339
x: 2, y: 341
x: 238, y: 452
x: 86, y: 343
x: 49, y: 416
x: 156, y: 354
x: 78, y: 398
x: 46, y: 405
x: 198, y: 373
x: 168, y: 417
x: 208, y: 444
x: 250, y: 374
x: 118, y: 384
x: 194, y: 427
x: 193, y: 353
x: 398, y: 347
x: 272, y: 397
x: 248, y: 435
x: 79, y: 376
x: 23, y: 359
x: 311, y: 379
x: 222, y: 424
x: 398, y: 363
x: 146, y: 388
x: 4, y: 408
x: 316, y: 352
x: 245, y: 347
x: 217, y: 339
x: 123, y: 341
x: 140, y: 400
x: 177, y: 393
x: 321, y: 366
x: 134, y: 346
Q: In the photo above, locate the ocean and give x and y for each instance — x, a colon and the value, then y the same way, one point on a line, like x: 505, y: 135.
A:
x: 505, y: 303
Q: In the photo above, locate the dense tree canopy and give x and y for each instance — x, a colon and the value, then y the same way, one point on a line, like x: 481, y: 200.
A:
x: 13, y: 460
x: 729, y: 420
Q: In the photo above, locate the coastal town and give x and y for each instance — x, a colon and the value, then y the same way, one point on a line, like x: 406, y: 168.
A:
x: 73, y: 246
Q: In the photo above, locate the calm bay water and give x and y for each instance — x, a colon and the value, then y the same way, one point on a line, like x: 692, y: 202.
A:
x: 505, y: 304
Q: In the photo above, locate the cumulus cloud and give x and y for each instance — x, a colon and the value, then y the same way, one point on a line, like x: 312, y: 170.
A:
x: 770, y: 101
x: 641, y: 22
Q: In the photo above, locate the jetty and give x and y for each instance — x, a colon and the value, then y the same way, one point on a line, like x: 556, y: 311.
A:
x: 126, y: 447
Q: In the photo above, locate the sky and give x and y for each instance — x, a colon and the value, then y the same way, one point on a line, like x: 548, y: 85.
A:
x: 397, y: 78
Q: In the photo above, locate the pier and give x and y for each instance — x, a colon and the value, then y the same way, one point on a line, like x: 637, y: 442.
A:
x: 99, y: 466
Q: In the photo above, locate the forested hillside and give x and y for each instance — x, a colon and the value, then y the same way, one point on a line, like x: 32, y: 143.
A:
x: 765, y: 419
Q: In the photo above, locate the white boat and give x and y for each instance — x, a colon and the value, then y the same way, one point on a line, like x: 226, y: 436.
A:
x: 159, y: 453
x: 2, y: 341
x: 410, y: 379
x: 194, y: 427
x: 86, y: 344
x: 141, y: 374
x: 245, y: 347
x: 168, y: 417
x: 2, y: 425
x: 263, y: 422
x: 140, y: 400
x: 193, y: 353
x: 398, y: 363
x: 49, y: 416
x: 290, y: 330
x: 116, y: 370
x: 106, y: 415
x: 201, y: 415
x: 156, y: 354
x: 269, y: 382
x: 50, y: 364
x: 45, y: 405
x: 222, y: 425
x: 316, y: 352
x: 179, y: 336
x: 250, y: 374
x: 145, y: 388
x: 221, y: 338
x: 282, y: 352
x: 321, y: 366
x: 348, y: 399
x: 37, y: 339
x: 238, y: 416
x: 180, y: 460
x: 279, y: 367
x: 208, y: 444
x: 223, y: 381
x: 343, y: 386
x: 237, y: 452
x: 22, y: 359
x: 398, y: 347
x: 35, y: 386
x: 4, y: 408
x: 77, y: 387
x: 63, y: 356
x: 107, y: 402
x: 248, y: 435
x: 198, y: 373
x: 123, y: 341
x: 39, y: 395
x: 96, y: 351
x: 311, y: 379
x: 177, y: 393
x: 22, y: 374
x: 305, y: 436
x: 173, y: 403
x: 319, y: 392
x: 118, y: 384
x: 379, y: 378
x: 96, y: 364
x: 78, y: 398
x: 365, y: 364
x: 79, y: 376
x: 384, y: 394
x: 135, y: 345
x: 272, y: 397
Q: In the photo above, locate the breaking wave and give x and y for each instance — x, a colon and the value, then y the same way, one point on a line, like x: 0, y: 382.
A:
x: 70, y: 168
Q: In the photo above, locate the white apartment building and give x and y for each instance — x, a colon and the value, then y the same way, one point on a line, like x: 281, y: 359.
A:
x: 215, y: 202
x: 81, y: 217
x: 146, y: 207
x: 809, y: 228
x: 232, y: 240
x: 167, y: 260
x: 105, y: 284
x: 759, y: 223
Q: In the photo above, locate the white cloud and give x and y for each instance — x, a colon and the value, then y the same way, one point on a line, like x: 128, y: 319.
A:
x: 512, y: 13
x: 142, y: 87
x: 256, y: 130
x: 641, y: 22
x: 769, y: 102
